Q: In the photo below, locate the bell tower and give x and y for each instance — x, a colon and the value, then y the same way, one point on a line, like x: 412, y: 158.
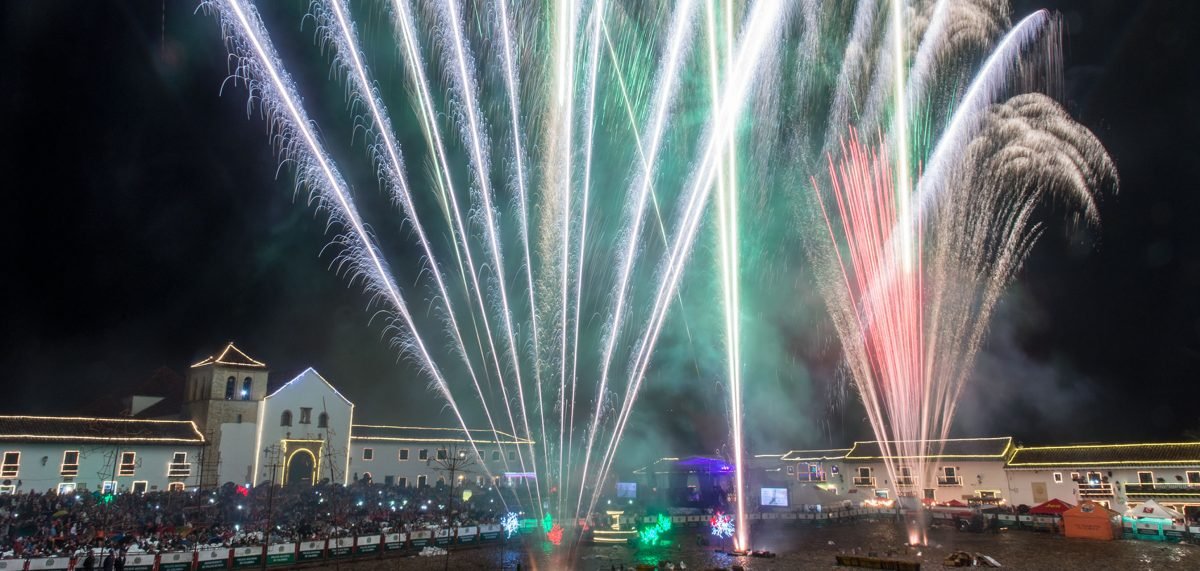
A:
x: 222, y: 395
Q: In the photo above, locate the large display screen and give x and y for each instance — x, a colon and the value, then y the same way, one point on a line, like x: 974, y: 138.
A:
x: 775, y: 497
x: 627, y: 489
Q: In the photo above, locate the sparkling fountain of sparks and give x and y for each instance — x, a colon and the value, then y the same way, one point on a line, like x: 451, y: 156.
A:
x: 911, y: 281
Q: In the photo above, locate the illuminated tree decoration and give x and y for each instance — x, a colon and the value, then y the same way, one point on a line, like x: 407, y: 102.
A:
x: 547, y: 523
x: 510, y: 523
x: 555, y: 534
x: 652, y: 535
x: 722, y: 525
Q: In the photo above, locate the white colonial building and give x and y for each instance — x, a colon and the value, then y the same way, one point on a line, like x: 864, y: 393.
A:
x: 64, y: 454
x: 1120, y: 476
x: 422, y: 456
x: 232, y: 429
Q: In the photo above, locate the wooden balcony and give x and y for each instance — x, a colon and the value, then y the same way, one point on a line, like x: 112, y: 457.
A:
x: 864, y: 482
x: 1095, y: 490
x: 949, y: 481
x: 1165, y: 490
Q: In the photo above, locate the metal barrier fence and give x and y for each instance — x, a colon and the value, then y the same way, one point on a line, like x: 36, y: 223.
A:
x: 277, y: 554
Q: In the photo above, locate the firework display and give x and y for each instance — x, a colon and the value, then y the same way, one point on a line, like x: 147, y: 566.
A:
x: 556, y: 165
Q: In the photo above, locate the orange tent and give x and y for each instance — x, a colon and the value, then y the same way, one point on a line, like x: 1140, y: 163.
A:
x: 1052, y: 507
x: 1091, y: 520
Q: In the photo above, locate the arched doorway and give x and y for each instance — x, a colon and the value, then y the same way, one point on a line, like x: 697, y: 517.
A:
x: 301, y: 468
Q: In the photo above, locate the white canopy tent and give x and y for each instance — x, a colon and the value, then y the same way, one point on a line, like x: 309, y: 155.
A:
x: 1153, y: 509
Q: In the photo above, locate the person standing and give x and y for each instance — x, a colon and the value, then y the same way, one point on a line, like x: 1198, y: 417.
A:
x: 108, y: 561
x: 89, y: 562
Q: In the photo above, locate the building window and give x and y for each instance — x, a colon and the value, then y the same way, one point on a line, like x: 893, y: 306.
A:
x: 402, y: 482
x: 441, y: 454
x: 285, y: 419
x: 323, y: 420
x: 246, y: 388
x: 422, y: 481
x: 930, y: 494
x: 11, y: 465
x: 441, y: 481
x: 179, y: 467
x: 175, y: 487
x: 403, y: 454
x: 495, y: 455
x: 368, y: 454
x: 1094, y: 478
x: 423, y: 454
x: 128, y: 464
x: 1075, y: 478
x: 109, y: 487
x: 1193, y: 478
x: 66, y: 488
x: 305, y: 415
x: 139, y: 487
x: 1145, y: 477
x: 791, y: 469
x: 1058, y: 477
x: 70, y: 463
x: 512, y: 456
x: 230, y: 386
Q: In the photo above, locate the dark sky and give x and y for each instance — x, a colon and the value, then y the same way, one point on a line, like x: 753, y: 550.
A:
x: 144, y: 226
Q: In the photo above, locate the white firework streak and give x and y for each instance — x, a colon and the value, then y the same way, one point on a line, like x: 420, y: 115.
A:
x: 463, y: 80
x: 261, y: 68
x: 669, y: 75
x: 391, y: 164
x: 762, y: 25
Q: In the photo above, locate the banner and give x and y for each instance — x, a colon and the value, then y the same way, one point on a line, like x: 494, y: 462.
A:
x: 175, y: 561
x: 341, y: 547
x: 136, y: 562
x: 394, y: 541
x: 213, y: 559
x: 420, y: 539
x: 467, y: 534
x: 311, y: 551
x: 443, y: 536
x: 366, y: 544
x: 54, y: 562
x: 281, y: 554
x: 16, y: 564
x: 247, y: 557
x: 490, y: 531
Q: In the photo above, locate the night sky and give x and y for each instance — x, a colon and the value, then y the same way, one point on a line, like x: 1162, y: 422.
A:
x: 144, y: 226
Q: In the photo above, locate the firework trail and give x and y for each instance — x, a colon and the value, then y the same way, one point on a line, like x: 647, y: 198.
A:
x: 462, y: 62
x: 512, y: 86
x: 405, y: 29
x: 669, y: 76
x: 259, y: 66
x: 335, y: 20
x: 760, y: 28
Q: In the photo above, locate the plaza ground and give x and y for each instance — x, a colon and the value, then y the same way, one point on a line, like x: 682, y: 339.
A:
x: 810, y: 547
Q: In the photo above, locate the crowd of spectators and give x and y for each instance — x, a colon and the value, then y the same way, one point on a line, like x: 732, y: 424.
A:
x: 49, y: 524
